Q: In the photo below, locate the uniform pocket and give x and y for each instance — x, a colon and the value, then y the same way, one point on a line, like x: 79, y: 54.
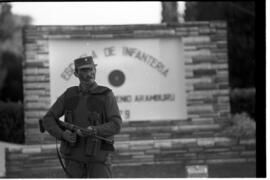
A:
x: 65, y: 148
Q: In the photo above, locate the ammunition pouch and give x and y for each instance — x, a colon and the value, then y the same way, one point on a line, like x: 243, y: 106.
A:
x: 65, y: 147
x: 92, y: 146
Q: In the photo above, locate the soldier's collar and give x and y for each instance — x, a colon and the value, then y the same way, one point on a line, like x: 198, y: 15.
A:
x: 90, y: 89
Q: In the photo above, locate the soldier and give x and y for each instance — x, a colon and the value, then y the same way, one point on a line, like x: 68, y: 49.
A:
x: 93, y: 107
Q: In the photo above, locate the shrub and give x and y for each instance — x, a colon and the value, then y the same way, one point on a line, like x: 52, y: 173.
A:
x: 240, y: 125
x: 243, y: 100
x: 11, y: 122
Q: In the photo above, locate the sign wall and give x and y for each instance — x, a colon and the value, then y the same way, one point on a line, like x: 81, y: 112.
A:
x: 146, y: 75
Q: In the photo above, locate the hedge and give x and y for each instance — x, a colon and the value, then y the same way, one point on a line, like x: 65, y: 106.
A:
x: 11, y: 122
x: 239, y: 125
x: 243, y: 100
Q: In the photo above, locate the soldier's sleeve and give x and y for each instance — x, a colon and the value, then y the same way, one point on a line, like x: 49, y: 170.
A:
x: 55, y: 111
x: 114, y: 120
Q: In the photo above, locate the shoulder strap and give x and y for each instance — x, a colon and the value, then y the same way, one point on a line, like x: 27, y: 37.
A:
x: 61, y: 162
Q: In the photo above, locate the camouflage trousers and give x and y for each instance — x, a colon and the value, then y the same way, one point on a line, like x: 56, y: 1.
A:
x: 79, y: 169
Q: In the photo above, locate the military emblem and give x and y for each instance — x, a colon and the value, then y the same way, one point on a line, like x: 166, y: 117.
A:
x: 116, y: 78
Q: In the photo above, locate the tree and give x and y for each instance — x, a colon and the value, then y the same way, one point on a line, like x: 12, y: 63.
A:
x: 11, y: 91
x: 240, y: 18
x: 169, y: 12
x: 11, y: 53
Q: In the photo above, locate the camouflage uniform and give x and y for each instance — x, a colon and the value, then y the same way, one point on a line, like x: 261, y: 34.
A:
x: 97, y: 108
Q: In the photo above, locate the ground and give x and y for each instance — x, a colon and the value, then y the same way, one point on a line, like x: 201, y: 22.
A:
x: 178, y: 170
x: 232, y: 170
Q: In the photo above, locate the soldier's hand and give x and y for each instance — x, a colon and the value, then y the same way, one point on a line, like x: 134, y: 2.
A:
x: 69, y: 136
x: 82, y: 133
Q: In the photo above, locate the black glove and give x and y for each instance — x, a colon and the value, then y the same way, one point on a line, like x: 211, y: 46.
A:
x: 69, y: 136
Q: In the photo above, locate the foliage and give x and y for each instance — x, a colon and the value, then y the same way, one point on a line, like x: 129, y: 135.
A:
x: 239, y: 125
x: 12, y: 86
x: 11, y: 53
x: 11, y: 56
x: 169, y: 12
x: 240, y: 18
x: 11, y: 122
x: 243, y: 100
x: 7, y: 23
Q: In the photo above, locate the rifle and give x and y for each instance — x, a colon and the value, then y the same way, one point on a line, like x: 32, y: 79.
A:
x: 74, y: 128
